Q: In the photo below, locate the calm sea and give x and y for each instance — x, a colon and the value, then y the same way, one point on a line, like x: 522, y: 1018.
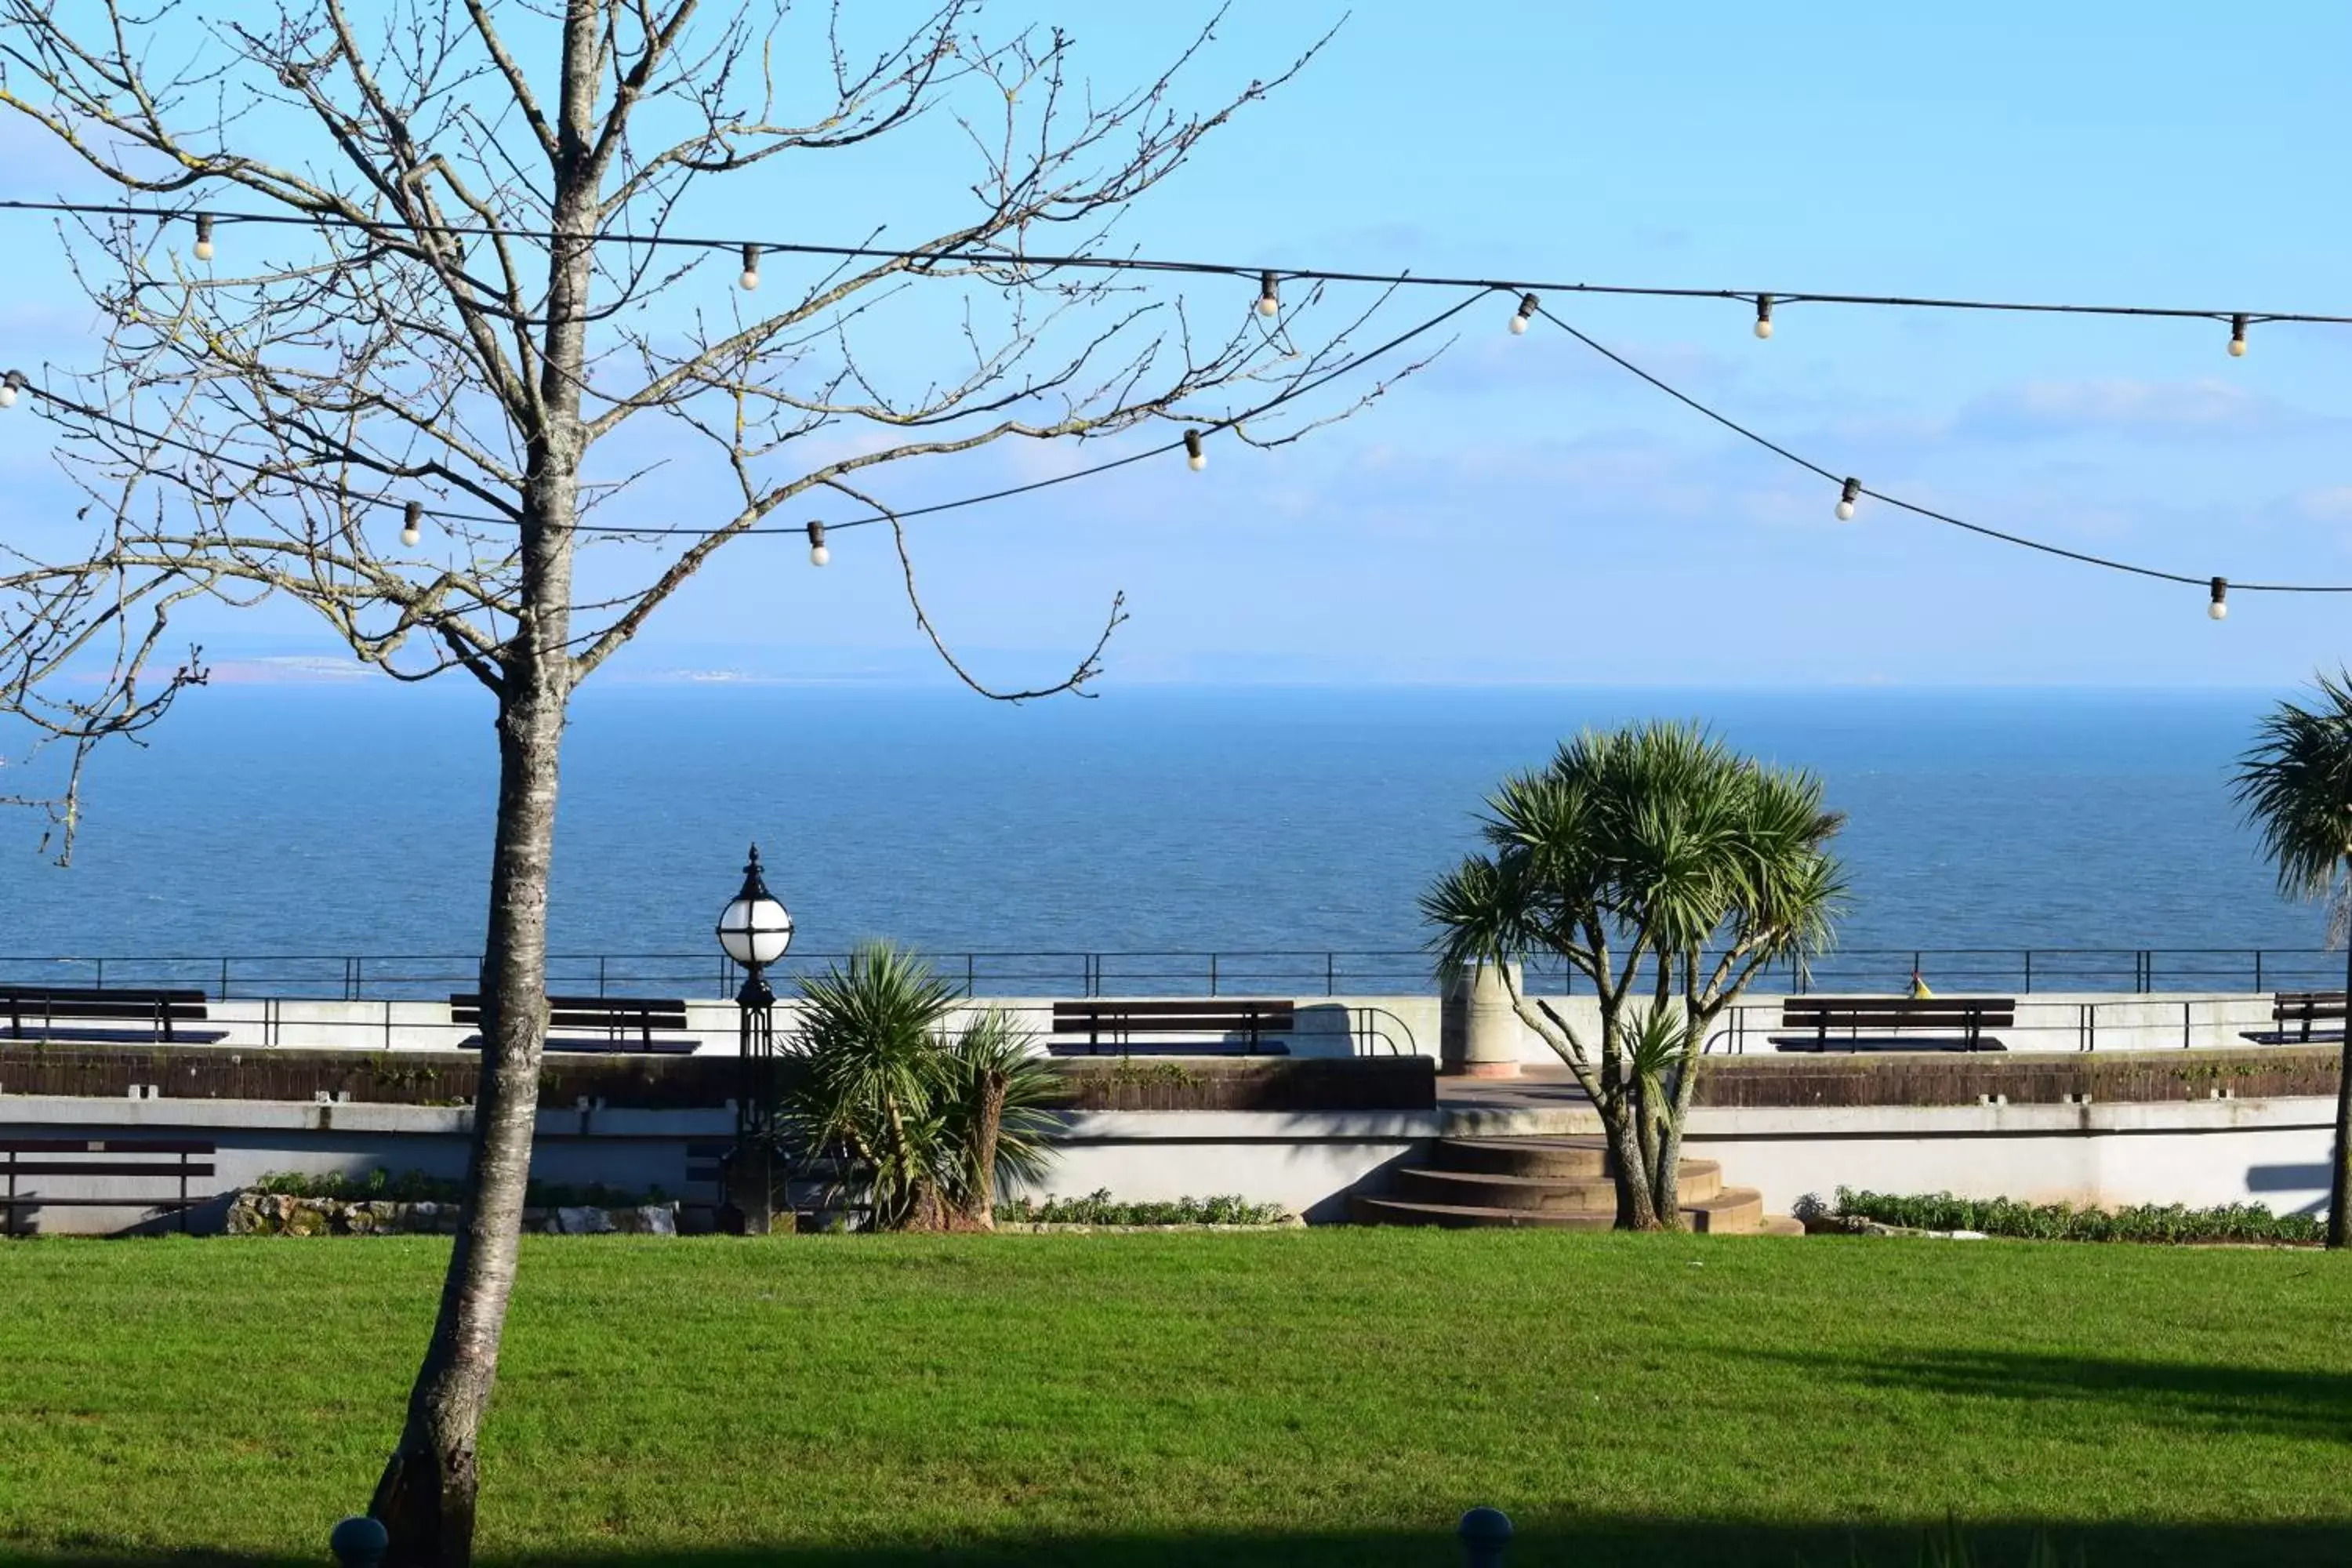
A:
x: 356, y: 820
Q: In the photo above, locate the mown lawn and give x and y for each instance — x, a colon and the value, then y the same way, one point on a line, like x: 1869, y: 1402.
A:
x: 1298, y: 1398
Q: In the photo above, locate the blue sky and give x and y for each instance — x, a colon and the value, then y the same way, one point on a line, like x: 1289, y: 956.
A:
x: 1526, y: 512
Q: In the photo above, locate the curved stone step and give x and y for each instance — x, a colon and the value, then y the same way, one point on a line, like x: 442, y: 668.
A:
x: 1701, y: 1180
x: 1396, y: 1211
x: 1781, y: 1225
x: 1570, y: 1158
x: 1734, y: 1211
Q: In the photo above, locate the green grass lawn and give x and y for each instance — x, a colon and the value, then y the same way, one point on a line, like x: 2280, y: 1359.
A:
x: 1308, y: 1397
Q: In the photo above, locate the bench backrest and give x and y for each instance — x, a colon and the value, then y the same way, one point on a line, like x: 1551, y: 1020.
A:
x: 641, y: 1013
x: 172, y: 1158
x: 104, y: 1146
x: 63, y: 1002
x: 1898, y: 1012
x: 2308, y: 1005
x: 1207, y: 1015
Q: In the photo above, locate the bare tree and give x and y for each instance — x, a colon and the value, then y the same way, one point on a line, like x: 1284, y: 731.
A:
x: 444, y: 284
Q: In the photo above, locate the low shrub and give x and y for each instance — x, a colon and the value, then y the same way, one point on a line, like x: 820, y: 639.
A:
x: 2063, y: 1222
x: 1098, y: 1208
x: 380, y: 1185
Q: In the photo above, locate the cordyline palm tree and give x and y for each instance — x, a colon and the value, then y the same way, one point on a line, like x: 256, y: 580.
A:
x: 1670, y: 872
x: 2295, y: 786
x: 931, y: 1119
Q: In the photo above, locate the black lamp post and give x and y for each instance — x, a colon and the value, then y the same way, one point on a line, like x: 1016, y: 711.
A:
x: 755, y: 929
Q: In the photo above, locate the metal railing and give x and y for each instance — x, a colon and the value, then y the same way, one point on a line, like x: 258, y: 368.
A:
x: 1263, y: 971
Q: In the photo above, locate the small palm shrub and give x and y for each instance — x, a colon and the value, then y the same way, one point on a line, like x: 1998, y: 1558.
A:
x: 2065, y: 1221
x: 929, y: 1116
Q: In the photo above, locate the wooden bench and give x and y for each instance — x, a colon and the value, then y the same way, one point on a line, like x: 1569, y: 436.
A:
x: 627, y: 1022
x: 1113, y: 1025
x: 65, y: 1013
x: 169, y: 1159
x: 2305, y: 1008
x: 1861, y: 1016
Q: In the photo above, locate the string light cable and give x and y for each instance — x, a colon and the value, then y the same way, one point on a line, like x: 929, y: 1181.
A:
x: 1189, y: 442
x: 1851, y: 489
x: 1267, y: 304
x: 1269, y: 298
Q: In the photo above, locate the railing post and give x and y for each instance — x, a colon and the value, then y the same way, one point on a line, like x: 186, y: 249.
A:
x: 600, y: 975
x: 1483, y: 1533
x: 224, y: 990
x: 2028, y: 971
x: 101, y: 974
x: 1331, y: 981
x: 968, y: 982
x: 1213, y: 974
x: 2258, y: 969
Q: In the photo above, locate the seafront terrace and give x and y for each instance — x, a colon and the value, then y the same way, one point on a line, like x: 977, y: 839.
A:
x: 2122, y: 1091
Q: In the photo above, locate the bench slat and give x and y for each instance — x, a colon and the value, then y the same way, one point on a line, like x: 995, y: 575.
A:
x: 1175, y: 1008
x: 1177, y: 1026
x: 170, y: 1205
x: 99, y: 1168
x: 105, y: 1146
x: 1860, y: 1020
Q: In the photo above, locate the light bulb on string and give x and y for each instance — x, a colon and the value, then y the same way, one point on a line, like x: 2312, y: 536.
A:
x: 1763, y: 315
x: 411, y: 532
x: 204, y: 247
x: 1846, y: 497
x: 10, y: 384
x: 1269, y: 296
x: 818, y: 555
x: 2220, y: 608
x: 750, y: 278
x: 1196, y: 456
x: 2237, y: 337
x: 1527, y: 308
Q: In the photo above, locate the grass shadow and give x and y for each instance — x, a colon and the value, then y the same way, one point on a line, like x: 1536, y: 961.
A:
x: 2301, y: 1405
x: 1540, y: 1544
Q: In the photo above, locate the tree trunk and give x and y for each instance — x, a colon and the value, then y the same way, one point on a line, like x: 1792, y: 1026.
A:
x: 2339, y: 1176
x: 981, y: 1206
x: 426, y: 1498
x: 1635, y: 1208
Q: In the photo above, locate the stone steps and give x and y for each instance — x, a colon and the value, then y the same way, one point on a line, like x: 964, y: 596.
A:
x: 1550, y: 1183
x: 1701, y: 1180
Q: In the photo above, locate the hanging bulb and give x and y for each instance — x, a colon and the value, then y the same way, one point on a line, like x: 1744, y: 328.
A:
x: 2220, y: 608
x: 1851, y: 493
x: 1763, y: 315
x: 411, y: 532
x: 1269, y: 297
x: 204, y: 236
x: 818, y: 555
x: 750, y: 278
x: 10, y: 384
x: 2236, y: 343
x: 1528, y: 307
x: 1196, y: 458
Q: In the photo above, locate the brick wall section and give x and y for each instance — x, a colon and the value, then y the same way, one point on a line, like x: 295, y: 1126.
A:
x: 1957, y: 1079
x: 671, y: 1083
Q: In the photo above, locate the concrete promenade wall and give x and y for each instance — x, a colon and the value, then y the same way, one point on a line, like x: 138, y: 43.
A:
x: 2195, y: 1152
x: 2050, y: 1021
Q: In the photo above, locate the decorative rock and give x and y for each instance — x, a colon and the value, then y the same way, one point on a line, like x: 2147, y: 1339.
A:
x: 277, y: 1214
